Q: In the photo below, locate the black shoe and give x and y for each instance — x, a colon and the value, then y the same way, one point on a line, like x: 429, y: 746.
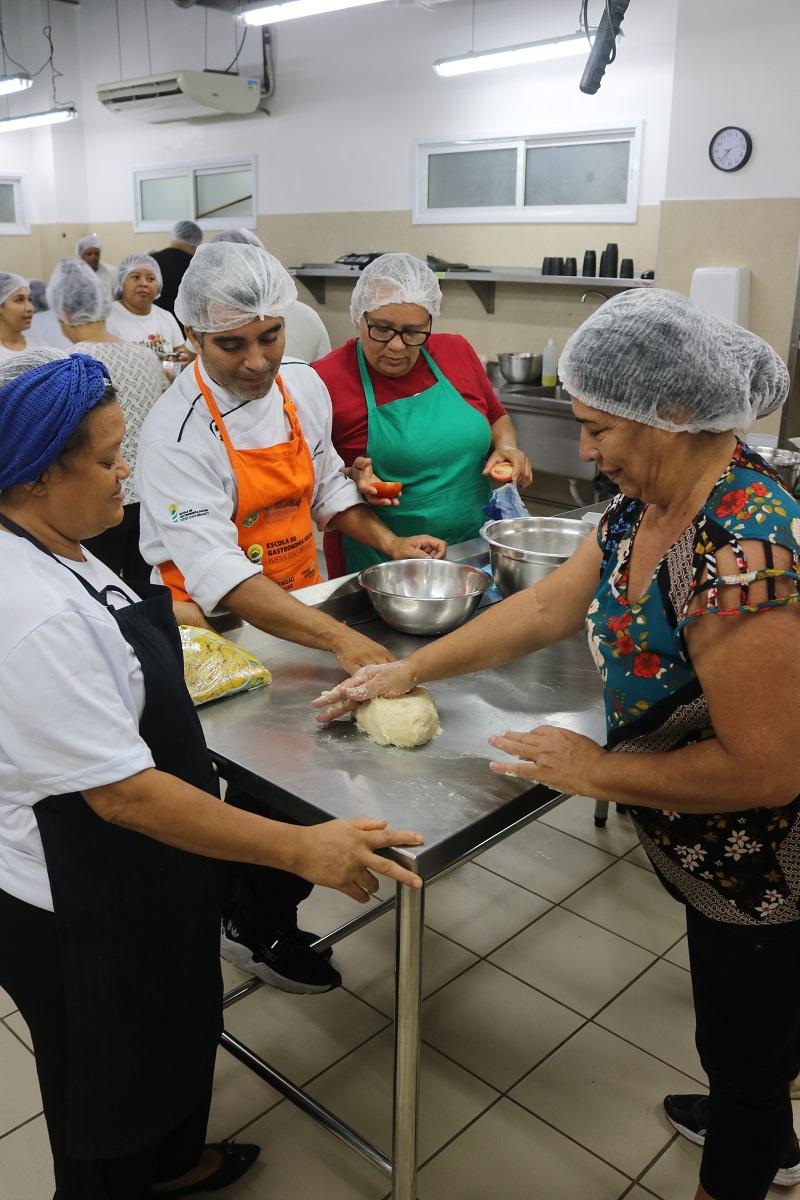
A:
x: 236, y: 1159
x: 689, y: 1115
x: 286, y: 962
x: 310, y: 938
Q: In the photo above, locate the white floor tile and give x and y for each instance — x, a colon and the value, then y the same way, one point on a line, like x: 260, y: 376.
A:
x: 679, y: 954
x: 239, y: 1096
x: 7, y: 1005
x: 606, y: 1095
x: 18, y: 1025
x: 26, y: 1168
x: 639, y: 1193
x: 19, y: 1088
x: 633, y: 904
x: 495, y: 1025
x: 549, y: 862
x: 479, y: 909
x: 359, y: 1089
x: 572, y: 960
x: 510, y: 1155
x: 638, y: 856
x: 675, y: 1175
x: 576, y: 816
x: 657, y: 1014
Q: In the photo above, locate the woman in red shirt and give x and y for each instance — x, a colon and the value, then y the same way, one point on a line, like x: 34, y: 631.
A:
x: 414, y: 407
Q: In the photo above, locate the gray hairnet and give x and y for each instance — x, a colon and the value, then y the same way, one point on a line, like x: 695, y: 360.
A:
x: 133, y: 263
x: 227, y: 285
x: 34, y: 357
x: 188, y: 232
x: 37, y: 289
x: 10, y: 283
x: 396, y: 279
x: 87, y: 241
x: 655, y: 357
x: 76, y: 295
x: 239, y: 235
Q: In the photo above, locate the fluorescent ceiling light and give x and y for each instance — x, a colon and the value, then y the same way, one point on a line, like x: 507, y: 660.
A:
x: 14, y: 83
x: 53, y: 116
x: 270, y: 14
x: 513, y: 56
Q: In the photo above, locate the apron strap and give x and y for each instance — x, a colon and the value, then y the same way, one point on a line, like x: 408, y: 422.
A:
x: 366, y: 381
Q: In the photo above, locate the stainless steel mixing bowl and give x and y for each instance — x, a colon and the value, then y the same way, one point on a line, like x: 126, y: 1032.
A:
x: 521, y: 367
x: 424, y: 596
x: 785, y: 462
x: 525, y: 549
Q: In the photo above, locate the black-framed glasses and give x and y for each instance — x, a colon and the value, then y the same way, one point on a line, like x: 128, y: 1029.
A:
x: 385, y: 333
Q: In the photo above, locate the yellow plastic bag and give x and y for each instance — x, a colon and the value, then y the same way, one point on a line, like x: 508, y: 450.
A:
x: 214, y: 667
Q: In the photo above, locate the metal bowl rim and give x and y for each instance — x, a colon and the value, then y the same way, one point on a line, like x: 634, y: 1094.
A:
x: 519, y: 554
x: 482, y: 585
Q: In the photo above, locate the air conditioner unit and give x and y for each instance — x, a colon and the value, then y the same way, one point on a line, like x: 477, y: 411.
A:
x: 181, y: 96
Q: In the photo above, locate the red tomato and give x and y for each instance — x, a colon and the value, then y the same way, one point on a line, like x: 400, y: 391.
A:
x: 502, y: 472
x: 386, y: 491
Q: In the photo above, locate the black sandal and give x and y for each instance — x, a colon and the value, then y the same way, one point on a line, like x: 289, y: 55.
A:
x: 237, y: 1158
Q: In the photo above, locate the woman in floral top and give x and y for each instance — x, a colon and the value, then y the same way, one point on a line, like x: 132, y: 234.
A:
x: 689, y: 596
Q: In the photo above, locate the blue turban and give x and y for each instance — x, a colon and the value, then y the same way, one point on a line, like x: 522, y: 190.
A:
x: 41, y: 409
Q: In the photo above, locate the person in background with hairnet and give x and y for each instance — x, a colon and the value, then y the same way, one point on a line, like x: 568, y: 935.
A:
x: 174, y: 259
x: 80, y: 302
x: 45, y: 329
x: 90, y: 249
x: 306, y: 336
x: 689, y: 595
x: 414, y: 407
x: 235, y: 467
x: 16, y: 315
x: 134, y: 316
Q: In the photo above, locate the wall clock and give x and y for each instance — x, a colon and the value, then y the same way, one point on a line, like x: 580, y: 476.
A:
x: 730, y: 148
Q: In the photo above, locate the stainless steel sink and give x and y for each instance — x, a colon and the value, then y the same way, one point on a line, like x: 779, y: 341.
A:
x: 546, y: 429
x: 532, y: 390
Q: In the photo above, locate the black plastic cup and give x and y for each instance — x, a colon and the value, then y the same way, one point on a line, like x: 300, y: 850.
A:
x: 558, y: 266
x: 589, y: 264
x: 626, y: 268
x: 612, y: 259
x: 603, y: 272
x: 570, y: 266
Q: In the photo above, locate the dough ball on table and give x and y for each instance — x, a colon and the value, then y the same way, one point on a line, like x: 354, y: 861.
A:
x: 410, y: 720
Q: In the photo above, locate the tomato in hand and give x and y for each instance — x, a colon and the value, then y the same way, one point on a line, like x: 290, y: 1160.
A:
x: 386, y: 491
x: 502, y: 472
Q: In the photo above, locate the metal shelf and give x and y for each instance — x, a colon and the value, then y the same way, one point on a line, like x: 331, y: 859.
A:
x: 482, y: 280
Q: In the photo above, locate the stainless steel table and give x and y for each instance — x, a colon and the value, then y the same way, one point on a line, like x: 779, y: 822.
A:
x: 267, y: 742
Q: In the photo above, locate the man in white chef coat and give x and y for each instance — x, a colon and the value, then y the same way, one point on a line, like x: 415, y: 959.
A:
x: 235, y: 466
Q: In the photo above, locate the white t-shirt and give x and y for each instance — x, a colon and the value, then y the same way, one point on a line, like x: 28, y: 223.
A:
x: 6, y: 354
x: 107, y: 276
x: 187, y: 488
x: 70, y: 703
x: 47, y: 331
x: 158, y: 331
x: 306, y: 335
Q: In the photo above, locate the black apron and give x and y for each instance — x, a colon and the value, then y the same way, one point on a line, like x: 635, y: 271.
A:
x: 138, y: 923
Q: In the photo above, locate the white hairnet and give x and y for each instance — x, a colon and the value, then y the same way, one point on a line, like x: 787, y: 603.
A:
x: 76, y: 295
x: 227, y: 285
x: 87, y: 241
x: 37, y: 289
x: 135, y: 262
x: 239, y: 235
x: 396, y: 279
x: 10, y: 283
x: 655, y: 357
x: 35, y: 356
x: 188, y: 232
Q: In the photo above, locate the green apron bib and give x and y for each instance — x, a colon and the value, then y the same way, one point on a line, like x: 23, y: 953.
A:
x: 436, y: 444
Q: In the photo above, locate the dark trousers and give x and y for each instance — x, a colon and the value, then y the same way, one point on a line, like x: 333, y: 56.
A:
x: 30, y: 973
x: 746, y: 984
x: 118, y: 547
x: 261, y: 900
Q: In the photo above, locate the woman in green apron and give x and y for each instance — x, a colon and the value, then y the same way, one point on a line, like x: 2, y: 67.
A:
x: 417, y: 408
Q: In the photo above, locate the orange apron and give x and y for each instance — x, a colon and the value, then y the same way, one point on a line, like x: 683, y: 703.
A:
x: 273, y: 513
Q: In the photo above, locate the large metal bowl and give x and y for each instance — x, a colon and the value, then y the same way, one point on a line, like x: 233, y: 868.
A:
x: 785, y: 462
x: 424, y: 596
x: 525, y: 549
x: 520, y: 367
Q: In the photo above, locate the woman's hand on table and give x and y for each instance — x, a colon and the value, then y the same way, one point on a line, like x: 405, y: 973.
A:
x: 342, y: 854
x: 522, y: 470
x: 187, y: 612
x: 364, y: 477
x: 420, y: 545
x: 558, y: 758
x: 390, y: 679
x: 352, y: 650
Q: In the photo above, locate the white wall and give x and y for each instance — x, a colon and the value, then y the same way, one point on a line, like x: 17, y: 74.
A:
x: 355, y: 89
x: 736, y: 64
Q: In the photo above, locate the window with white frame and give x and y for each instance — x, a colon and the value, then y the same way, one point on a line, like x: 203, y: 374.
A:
x: 575, y: 176
x: 214, y: 194
x: 13, y: 214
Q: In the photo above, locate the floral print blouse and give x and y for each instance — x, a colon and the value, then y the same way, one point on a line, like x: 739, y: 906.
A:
x: 738, y: 867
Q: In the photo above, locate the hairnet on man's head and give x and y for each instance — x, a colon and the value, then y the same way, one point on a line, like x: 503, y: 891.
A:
x: 10, y: 283
x: 228, y: 285
x: 136, y: 262
x: 654, y: 357
x: 188, y: 232
x: 395, y: 279
x: 245, y: 236
x: 76, y: 295
x: 38, y: 289
x: 87, y: 242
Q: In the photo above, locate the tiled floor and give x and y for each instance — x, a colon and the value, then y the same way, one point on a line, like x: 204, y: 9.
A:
x: 557, y: 1013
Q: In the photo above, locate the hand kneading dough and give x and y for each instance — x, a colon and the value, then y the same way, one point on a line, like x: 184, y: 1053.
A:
x: 406, y: 721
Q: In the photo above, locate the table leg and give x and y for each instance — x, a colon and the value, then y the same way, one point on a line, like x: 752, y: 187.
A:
x: 407, y: 1033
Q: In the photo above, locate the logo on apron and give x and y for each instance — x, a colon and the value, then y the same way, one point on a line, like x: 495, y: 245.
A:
x: 255, y: 553
x: 251, y: 520
x: 172, y: 509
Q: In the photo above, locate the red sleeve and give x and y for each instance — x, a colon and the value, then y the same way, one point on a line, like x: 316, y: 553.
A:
x: 339, y: 372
